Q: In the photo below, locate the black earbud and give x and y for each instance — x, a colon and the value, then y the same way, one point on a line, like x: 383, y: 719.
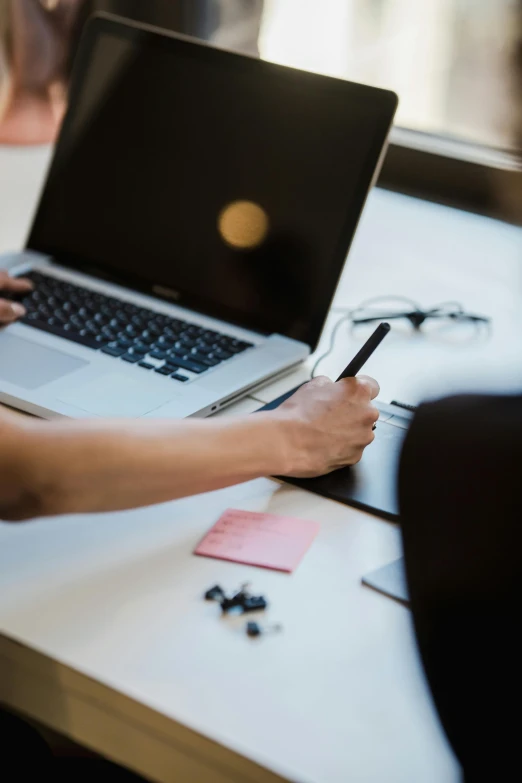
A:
x: 254, y: 629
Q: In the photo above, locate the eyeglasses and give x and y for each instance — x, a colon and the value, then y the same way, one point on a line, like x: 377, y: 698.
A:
x: 387, y: 308
x: 392, y: 308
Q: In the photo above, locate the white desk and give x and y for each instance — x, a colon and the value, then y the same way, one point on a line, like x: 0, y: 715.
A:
x: 104, y: 633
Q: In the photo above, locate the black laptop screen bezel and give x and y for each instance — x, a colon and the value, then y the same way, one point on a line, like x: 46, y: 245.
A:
x: 146, y: 35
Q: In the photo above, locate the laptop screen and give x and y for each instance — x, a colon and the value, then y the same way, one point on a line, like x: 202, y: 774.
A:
x: 228, y: 184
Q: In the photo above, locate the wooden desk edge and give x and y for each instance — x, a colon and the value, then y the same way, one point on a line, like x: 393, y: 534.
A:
x: 114, y: 725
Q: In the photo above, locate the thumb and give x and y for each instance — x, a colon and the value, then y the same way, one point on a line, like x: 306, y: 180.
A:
x: 370, y: 384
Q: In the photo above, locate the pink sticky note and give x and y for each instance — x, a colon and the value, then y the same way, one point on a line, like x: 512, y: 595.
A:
x: 264, y: 540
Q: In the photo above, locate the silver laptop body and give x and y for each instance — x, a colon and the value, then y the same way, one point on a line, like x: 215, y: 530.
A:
x: 173, y: 276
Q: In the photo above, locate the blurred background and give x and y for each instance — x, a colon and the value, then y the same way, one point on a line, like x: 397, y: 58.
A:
x: 456, y: 65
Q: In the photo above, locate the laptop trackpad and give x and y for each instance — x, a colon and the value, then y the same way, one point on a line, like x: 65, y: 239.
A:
x: 117, y: 394
x: 30, y: 365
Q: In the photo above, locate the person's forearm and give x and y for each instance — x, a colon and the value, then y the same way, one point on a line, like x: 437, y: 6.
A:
x: 89, y: 466
x: 95, y: 465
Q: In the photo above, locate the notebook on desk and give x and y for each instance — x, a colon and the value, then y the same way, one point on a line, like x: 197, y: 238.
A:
x: 371, y: 484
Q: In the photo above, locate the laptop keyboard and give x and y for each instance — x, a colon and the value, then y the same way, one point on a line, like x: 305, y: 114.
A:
x: 125, y: 331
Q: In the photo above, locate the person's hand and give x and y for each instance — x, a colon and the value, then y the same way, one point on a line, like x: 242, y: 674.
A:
x: 329, y: 424
x: 10, y: 311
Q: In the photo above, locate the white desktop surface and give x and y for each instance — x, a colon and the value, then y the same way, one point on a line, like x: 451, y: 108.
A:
x: 103, y: 631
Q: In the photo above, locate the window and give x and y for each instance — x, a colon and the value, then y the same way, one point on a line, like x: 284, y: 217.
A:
x: 456, y: 65
x: 452, y: 62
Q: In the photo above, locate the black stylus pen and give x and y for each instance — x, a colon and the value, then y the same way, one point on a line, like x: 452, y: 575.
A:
x: 366, y: 351
x: 353, y: 368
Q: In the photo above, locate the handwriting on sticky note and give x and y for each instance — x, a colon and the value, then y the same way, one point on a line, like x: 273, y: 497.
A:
x: 264, y: 540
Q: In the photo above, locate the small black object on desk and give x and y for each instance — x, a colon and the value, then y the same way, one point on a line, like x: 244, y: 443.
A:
x: 254, y: 629
x: 246, y: 603
x: 241, y: 600
x: 215, y: 593
x: 254, y: 603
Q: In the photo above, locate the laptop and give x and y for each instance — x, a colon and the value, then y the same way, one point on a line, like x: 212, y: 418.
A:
x: 192, y: 228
